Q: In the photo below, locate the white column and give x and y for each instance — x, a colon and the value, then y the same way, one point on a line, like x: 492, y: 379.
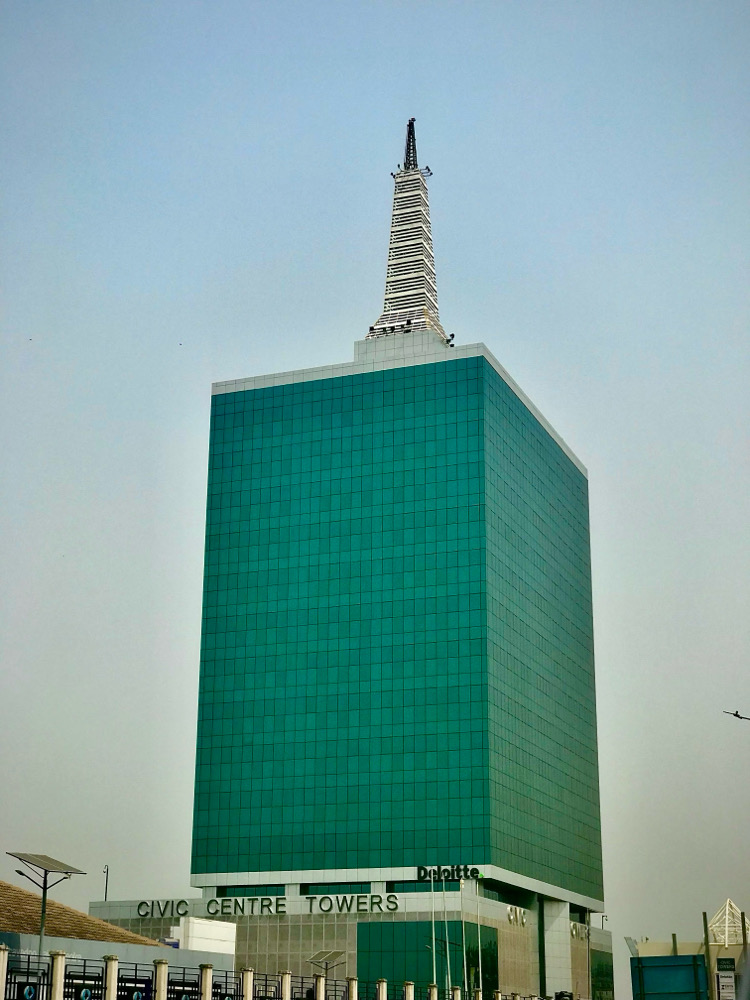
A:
x: 455, y: 993
x: 161, y: 974
x: 207, y: 979
x: 110, y: 977
x: 247, y: 983
x: 558, y: 971
x: 432, y: 994
x: 381, y: 989
x: 408, y: 991
x: 320, y: 987
x: 3, y: 967
x: 352, y: 987
x: 286, y: 985
x: 58, y: 974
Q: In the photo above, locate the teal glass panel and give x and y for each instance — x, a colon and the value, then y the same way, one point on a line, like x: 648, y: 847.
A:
x: 544, y: 782
x: 397, y: 653
x: 602, y: 975
x: 402, y: 951
x: 489, y: 966
x: 343, y: 696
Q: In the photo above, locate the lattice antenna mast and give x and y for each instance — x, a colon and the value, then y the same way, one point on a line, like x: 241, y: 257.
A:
x: 410, y: 149
x: 410, y: 302
x: 726, y: 925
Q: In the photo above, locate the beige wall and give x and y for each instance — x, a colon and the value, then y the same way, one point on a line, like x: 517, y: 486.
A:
x: 518, y: 950
x: 579, y: 962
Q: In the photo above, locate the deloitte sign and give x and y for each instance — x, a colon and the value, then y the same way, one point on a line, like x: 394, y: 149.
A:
x: 452, y: 874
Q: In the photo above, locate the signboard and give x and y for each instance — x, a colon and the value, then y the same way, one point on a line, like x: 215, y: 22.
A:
x: 452, y: 874
x: 725, y: 986
x: 725, y: 964
x: 27, y: 991
x: 258, y: 906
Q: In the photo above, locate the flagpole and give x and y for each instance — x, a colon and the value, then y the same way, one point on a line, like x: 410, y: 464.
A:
x: 479, y: 935
x: 463, y: 937
x: 432, y: 905
x: 447, y: 939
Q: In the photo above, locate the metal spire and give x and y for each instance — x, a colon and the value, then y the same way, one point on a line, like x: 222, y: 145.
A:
x: 410, y: 149
x: 726, y: 925
x: 410, y: 302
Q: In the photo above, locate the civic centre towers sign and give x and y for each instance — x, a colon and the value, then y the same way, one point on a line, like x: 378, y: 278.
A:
x: 260, y: 906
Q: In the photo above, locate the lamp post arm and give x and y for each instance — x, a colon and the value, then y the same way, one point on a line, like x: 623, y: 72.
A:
x: 52, y: 885
x: 26, y: 875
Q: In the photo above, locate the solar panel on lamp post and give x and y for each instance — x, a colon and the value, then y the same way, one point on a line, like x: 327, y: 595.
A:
x: 42, y: 865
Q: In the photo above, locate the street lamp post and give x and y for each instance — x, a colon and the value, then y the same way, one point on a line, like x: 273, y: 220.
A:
x: 42, y: 866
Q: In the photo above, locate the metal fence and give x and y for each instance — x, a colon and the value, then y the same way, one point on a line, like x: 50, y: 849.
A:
x: 266, y: 987
x: 28, y: 977
x: 184, y: 984
x: 135, y: 981
x: 395, y: 991
x: 84, y: 979
x: 226, y: 985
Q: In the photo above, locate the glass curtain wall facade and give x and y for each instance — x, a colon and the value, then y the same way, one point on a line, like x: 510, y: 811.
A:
x: 397, y: 655
x: 343, y: 698
x: 400, y: 952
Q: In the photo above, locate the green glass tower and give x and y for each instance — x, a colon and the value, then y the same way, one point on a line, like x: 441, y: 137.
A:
x: 397, y: 673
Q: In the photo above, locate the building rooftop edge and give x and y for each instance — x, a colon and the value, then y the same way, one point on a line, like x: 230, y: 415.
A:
x: 398, y: 359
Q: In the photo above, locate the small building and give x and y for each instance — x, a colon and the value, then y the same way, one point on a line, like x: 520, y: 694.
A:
x: 703, y: 969
x: 82, y: 936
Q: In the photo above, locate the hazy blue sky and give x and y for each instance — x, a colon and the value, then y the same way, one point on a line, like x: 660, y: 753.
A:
x: 194, y: 191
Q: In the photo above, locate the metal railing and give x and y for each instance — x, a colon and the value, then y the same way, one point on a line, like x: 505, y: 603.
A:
x: 84, y: 979
x: 28, y: 977
x: 135, y: 981
x: 226, y: 985
x: 31, y: 978
x: 266, y: 987
x: 185, y: 984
